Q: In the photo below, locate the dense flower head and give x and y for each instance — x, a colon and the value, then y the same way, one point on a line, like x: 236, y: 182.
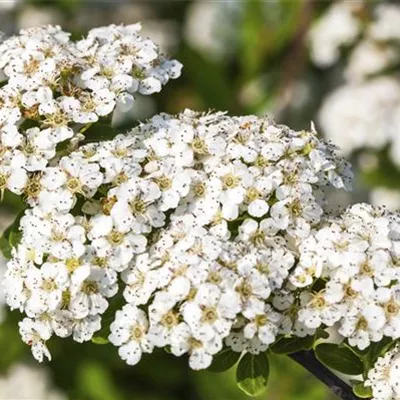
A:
x: 383, y: 378
x: 193, y: 220
x: 54, y: 89
x: 355, y: 257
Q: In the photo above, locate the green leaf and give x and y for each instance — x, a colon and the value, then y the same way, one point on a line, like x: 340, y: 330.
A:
x: 340, y: 359
x: 361, y: 391
x: 5, y: 247
x: 224, y: 360
x: 376, y: 350
x: 11, y: 237
x: 99, y: 132
x: 99, y: 340
x: 252, y: 373
x: 373, y: 351
x: 321, y: 334
x: 292, y: 345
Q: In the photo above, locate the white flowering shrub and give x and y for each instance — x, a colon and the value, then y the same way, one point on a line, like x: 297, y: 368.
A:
x: 362, y: 112
x: 199, y: 233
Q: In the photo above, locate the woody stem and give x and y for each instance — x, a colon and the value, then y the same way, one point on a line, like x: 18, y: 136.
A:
x: 307, y: 359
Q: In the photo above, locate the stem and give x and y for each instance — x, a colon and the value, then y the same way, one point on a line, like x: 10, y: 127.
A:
x: 307, y: 360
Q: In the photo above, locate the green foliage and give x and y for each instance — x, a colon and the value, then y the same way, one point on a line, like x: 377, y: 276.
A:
x: 375, y: 350
x: 385, y: 173
x: 252, y: 373
x: 96, y: 382
x: 362, y: 391
x: 292, y: 345
x: 12, y: 348
x: 209, y: 79
x: 341, y: 359
x: 224, y: 360
x: 99, y: 133
x: 11, y: 237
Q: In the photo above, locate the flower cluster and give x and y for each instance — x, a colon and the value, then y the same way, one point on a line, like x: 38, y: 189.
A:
x: 191, y: 232
x: 54, y: 89
x: 364, y: 112
x: 372, y: 28
x: 190, y: 218
x: 384, y: 377
x: 355, y: 257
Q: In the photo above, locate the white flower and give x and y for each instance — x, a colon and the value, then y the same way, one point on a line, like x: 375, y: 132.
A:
x: 129, y: 333
x: 296, y: 214
x: 35, y: 334
x: 326, y: 39
x: 263, y: 323
x: 46, y: 286
x: 200, y: 352
x: 141, y: 280
x: 89, y: 292
x: 118, y: 247
x: 135, y: 209
x: 383, y: 378
x: 210, y: 315
x: 13, y: 179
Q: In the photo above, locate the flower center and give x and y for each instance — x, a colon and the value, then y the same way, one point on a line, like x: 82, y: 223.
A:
x: 115, y: 238
x: 214, y: 277
x: 253, y: 194
x: 138, y: 206
x: 230, y: 181
x: 90, y: 287
x: 164, y: 183
x: 137, y: 333
x: 261, y: 162
x: 295, y: 208
x: 31, y: 67
x: 209, y: 315
x: 169, y: 320
x: 200, y: 190
x: 49, y: 285
x: 65, y: 299
x: 362, y: 324
x: 392, y: 308
x: 100, y: 262
x: 367, y: 269
x: 261, y: 320
x: 245, y: 290
x: 33, y: 187
x: 199, y: 146
x: 57, y: 236
x: 258, y: 238
x: 74, y: 185
x: 72, y: 264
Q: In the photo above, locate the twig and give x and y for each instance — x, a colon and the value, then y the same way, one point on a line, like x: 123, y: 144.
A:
x: 307, y: 360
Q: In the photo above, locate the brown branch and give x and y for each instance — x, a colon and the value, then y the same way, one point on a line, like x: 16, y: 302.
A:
x: 308, y: 360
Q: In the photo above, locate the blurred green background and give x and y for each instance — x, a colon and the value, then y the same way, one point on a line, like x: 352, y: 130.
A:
x: 240, y: 56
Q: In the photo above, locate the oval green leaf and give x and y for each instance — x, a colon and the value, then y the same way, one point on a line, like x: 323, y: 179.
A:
x: 340, y: 359
x: 99, y: 340
x: 361, y: 391
x: 224, y: 360
x: 252, y: 373
x: 11, y: 237
x: 292, y: 345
